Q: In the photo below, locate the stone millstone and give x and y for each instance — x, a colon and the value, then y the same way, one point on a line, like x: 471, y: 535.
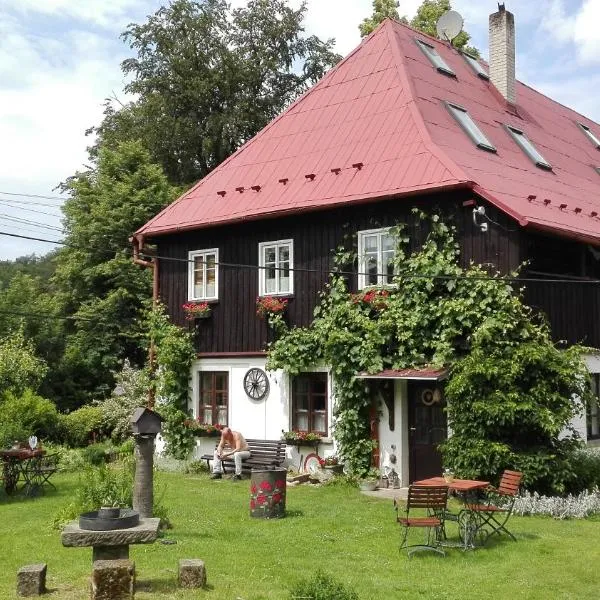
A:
x: 192, y: 573
x: 31, y: 580
x: 113, y: 580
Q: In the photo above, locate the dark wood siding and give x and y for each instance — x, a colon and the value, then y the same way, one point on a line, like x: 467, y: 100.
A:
x: 234, y: 326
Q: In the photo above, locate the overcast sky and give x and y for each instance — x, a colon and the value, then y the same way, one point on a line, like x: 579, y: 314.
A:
x: 60, y: 58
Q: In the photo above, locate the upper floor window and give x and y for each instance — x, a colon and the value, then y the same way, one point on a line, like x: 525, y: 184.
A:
x: 527, y: 146
x: 593, y: 410
x: 466, y: 122
x: 589, y: 134
x: 376, y: 249
x: 436, y: 60
x: 276, y: 259
x: 309, y: 403
x: 203, y: 274
x: 213, y: 389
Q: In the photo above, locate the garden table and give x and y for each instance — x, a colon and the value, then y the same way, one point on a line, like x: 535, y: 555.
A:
x: 14, y: 467
x: 467, y: 520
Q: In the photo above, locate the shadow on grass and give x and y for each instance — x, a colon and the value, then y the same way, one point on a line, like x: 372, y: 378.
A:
x: 162, y: 585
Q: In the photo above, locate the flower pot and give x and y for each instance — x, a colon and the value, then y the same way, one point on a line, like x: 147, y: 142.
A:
x: 204, y: 315
x: 367, y: 485
x: 334, y: 469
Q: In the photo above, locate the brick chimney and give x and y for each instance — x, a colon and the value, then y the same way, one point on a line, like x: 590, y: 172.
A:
x: 502, y: 53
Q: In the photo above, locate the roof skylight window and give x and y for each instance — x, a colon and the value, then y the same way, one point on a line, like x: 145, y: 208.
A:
x: 436, y: 60
x: 476, y: 66
x: 466, y: 122
x: 524, y: 142
x: 590, y: 135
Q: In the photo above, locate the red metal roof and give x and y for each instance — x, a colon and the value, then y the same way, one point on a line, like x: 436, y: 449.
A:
x: 421, y: 373
x: 376, y: 127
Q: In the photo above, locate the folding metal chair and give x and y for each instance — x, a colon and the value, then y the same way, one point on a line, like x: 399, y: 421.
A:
x: 432, y: 500
x: 46, y: 466
x: 493, y: 515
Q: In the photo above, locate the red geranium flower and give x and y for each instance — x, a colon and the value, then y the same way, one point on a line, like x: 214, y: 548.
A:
x: 253, y: 489
x: 252, y: 504
x: 280, y: 483
x: 265, y: 486
x: 276, y: 498
x: 261, y: 499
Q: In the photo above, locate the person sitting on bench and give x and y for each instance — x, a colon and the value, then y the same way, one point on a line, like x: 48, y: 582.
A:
x: 238, y: 448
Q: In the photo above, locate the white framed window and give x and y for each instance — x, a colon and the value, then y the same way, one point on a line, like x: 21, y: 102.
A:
x: 376, y: 249
x: 203, y: 274
x: 276, y: 260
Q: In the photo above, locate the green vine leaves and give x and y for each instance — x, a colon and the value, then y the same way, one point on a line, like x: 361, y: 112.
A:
x: 439, y: 313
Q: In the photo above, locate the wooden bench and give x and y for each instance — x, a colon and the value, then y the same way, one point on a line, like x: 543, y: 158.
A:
x: 264, y: 454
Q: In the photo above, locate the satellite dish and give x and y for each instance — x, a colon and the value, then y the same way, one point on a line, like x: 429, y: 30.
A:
x: 449, y: 25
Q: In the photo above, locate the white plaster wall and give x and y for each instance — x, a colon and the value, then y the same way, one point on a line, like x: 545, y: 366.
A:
x: 263, y: 419
x: 398, y: 437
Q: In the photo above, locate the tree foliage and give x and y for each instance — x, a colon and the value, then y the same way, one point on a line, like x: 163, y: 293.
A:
x: 382, y: 10
x: 208, y: 78
x: 99, y: 284
x: 511, y: 391
x: 20, y: 368
x: 425, y: 20
x: 174, y: 355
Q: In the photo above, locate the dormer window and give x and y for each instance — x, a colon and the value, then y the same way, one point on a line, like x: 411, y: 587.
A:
x: 527, y: 146
x: 590, y: 135
x: 476, y: 66
x: 464, y: 120
x: 436, y: 60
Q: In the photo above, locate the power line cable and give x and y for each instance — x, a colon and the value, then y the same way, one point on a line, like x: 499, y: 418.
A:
x: 33, y: 196
x: 334, y: 271
x: 31, y: 222
x: 10, y: 204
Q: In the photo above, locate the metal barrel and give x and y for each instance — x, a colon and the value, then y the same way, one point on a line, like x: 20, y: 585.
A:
x: 267, y: 493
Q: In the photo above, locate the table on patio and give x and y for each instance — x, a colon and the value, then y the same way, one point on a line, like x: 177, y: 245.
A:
x: 467, y: 489
x: 15, y: 462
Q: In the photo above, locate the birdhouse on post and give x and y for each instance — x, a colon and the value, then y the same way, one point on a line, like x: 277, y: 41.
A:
x: 145, y: 422
x: 145, y: 425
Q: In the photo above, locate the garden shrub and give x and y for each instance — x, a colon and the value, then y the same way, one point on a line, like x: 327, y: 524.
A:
x: 585, y: 466
x: 35, y: 415
x: 572, y: 506
x: 98, y: 454
x: 70, y: 460
x: 321, y: 587
x: 195, y: 467
x: 10, y: 433
x: 78, y: 427
x: 129, y: 393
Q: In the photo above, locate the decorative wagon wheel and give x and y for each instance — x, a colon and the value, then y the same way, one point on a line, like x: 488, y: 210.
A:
x: 256, y: 384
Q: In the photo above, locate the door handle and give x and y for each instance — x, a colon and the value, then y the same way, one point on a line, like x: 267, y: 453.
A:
x: 412, y: 428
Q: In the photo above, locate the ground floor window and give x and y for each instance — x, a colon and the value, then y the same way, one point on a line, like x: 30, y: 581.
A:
x: 309, y: 403
x: 593, y: 410
x: 214, y: 397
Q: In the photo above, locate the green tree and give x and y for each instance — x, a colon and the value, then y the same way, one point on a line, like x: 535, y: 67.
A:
x: 99, y: 285
x: 208, y: 78
x: 425, y: 20
x: 427, y: 17
x: 382, y: 10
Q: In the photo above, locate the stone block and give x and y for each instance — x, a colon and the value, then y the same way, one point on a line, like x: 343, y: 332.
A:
x: 31, y: 580
x: 113, y: 580
x: 192, y: 573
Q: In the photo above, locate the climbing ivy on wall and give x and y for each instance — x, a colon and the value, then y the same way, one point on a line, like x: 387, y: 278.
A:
x: 510, y: 391
x: 174, y: 355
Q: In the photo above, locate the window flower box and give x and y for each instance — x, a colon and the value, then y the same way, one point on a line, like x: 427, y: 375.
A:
x: 197, y: 310
x: 301, y: 438
x: 269, y: 305
x: 203, y: 429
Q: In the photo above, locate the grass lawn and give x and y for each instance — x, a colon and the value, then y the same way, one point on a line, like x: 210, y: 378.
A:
x: 335, y: 528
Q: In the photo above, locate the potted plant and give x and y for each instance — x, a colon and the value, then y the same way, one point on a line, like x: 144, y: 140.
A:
x: 368, y: 482
x: 269, y: 305
x: 300, y: 438
x: 196, y: 310
x: 332, y: 464
x: 203, y: 429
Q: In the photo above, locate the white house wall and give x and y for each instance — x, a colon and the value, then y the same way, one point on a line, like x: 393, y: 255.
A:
x: 263, y: 419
